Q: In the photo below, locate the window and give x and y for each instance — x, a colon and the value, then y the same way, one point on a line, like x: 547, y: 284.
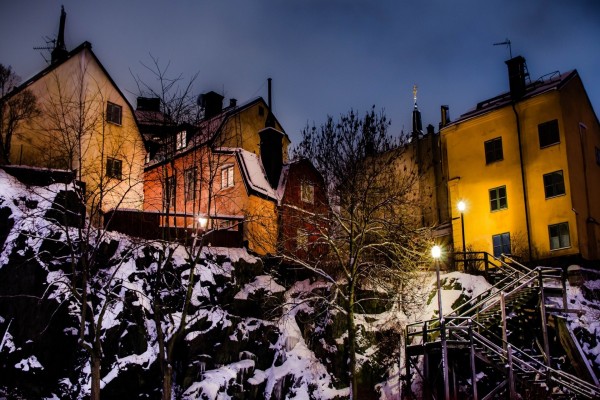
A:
x: 307, y: 192
x: 113, y: 113
x: 189, y: 184
x: 301, y: 238
x: 501, y: 244
x: 554, y: 184
x: 114, y: 168
x: 498, y: 198
x: 597, y: 156
x: 548, y: 133
x: 170, y: 191
x: 493, y: 150
x: 227, y: 177
x: 559, y: 236
x: 181, y: 140
x: 261, y: 111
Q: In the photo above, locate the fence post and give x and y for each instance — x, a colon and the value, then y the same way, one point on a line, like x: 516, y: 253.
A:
x: 472, y: 360
x: 511, y: 378
x: 544, y: 325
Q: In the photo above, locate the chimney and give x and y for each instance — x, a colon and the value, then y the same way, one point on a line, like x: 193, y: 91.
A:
x: 212, y: 103
x: 60, y: 52
x: 269, y: 94
x: 445, y: 116
x: 517, y: 73
x: 271, y: 154
x: 232, y: 103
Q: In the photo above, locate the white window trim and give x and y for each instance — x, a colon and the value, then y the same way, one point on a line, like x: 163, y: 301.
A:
x: 227, y: 180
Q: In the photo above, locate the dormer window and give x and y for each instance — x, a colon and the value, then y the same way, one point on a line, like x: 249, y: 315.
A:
x: 181, y: 140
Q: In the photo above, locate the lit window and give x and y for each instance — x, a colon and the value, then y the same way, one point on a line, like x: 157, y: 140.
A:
x: 501, y: 244
x: 181, y: 140
x: 169, y: 192
x: 114, y: 113
x: 554, y: 184
x: 493, y: 150
x: 189, y: 184
x: 307, y: 192
x: 114, y: 168
x: 559, y: 236
x: 227, y: 177
x: 498, y: 198
x: 548, y: 133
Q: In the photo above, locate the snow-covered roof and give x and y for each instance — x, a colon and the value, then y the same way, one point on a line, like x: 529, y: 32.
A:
x: 254, y: 174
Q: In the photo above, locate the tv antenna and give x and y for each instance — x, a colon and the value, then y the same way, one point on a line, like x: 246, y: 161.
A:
x: 50, y: 45
x: 505, y: 43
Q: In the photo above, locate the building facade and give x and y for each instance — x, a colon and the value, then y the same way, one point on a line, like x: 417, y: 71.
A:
x: 527, y: 165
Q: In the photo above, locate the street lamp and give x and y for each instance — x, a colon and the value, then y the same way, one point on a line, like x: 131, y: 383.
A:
x: 203, y: 221
x: 462, y: 207
x: 436, y: 252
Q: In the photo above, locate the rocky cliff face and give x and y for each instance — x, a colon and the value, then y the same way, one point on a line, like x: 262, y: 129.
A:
x: 250, y: 332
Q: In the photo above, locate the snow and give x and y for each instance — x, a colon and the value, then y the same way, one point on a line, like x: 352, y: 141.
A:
x: 252, y: 169
x: 261, y: 282
x: 28, y: 363
x: 214, y: 382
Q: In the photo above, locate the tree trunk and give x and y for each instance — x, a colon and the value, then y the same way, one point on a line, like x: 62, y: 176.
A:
x: 95, y: 390
x: 352, y: 344
x: 167, y: 382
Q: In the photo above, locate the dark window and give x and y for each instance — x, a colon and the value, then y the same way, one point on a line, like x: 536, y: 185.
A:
x: 498, y: 198
x: 597, y: 156
x: 501, y: 244
x: 169, y: 193
x: 493, y: 150
x: 554, y: 184
x: 548, y: 133
x: 114, y: 168
x: 261, y: 111
x: 113, y: 113
x: 559, y: 236
x: 307, y: 192
x: 189, y: 184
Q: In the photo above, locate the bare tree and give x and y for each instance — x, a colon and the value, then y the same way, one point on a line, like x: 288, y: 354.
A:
x: 14, y: 109
x: 371, y: 235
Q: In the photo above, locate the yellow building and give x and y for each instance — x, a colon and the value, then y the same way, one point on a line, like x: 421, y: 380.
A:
x: 527, y: 165
x: 85, y: 124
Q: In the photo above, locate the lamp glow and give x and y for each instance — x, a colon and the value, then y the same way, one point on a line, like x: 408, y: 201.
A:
x: 461, y: 206
x: 203, y: 221
x: 436, y: 252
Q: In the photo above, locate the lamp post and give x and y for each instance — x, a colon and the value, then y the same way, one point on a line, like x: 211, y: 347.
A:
x: 461, y: 207
x: 436, y: 253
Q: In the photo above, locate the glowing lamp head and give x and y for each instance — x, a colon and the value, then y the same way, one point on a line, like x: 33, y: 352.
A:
x: 436, y: 252
x: 203, y: 221
x: 461, y: 206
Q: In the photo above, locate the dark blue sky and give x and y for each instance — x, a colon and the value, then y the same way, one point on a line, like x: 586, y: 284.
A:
x: 325, y: 56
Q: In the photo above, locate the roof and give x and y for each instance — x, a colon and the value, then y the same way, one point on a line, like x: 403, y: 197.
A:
x: 83, y: 46
x: 254, y: 174
x: 546, y: 83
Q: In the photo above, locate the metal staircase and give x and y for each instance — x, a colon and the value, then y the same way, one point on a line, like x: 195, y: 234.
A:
x: 495, y: 335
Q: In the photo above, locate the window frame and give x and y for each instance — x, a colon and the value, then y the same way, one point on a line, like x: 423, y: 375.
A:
x: 491, y: 150
x: 560, y: 235
x: 110, y: 109
x: 189, y: 174
x: 503, y: 244
x: 180, y: 140
x: 544, y: 130
x: 307, y: 192
x: 114, y: 168
x: 497, y: 199
x: 553, y: 185
x: 227, y: 176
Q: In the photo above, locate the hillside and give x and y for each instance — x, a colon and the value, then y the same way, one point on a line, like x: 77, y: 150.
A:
x: 252, y: 330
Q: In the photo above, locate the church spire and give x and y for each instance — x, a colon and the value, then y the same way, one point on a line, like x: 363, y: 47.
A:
x: 417, y: 126
x: 59, y: 52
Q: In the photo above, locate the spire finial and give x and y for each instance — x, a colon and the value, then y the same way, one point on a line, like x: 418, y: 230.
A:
x: 415, y: 94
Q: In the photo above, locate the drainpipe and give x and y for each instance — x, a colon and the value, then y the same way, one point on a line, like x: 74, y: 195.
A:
x: 523, y: 182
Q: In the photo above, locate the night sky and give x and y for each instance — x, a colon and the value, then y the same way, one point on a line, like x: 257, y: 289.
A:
x: 324, y: 56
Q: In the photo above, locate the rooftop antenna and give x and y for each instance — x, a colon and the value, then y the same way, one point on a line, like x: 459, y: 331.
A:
x: 505, y: 43
x: 50, y: 45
